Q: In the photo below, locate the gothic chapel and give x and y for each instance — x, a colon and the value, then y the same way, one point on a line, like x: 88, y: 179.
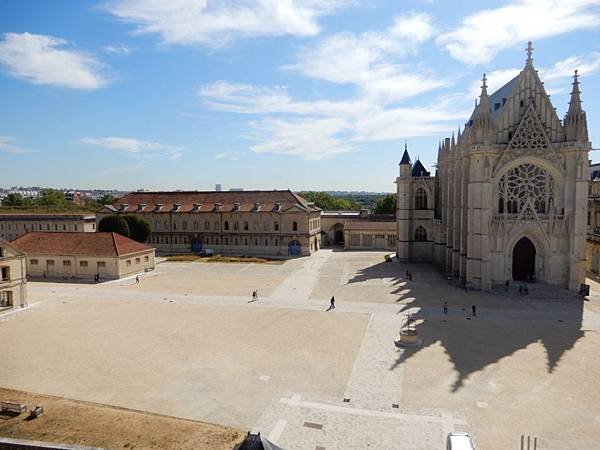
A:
x: 509, y: 197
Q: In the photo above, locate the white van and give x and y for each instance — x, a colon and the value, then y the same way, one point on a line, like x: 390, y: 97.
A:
x: 459, y: 441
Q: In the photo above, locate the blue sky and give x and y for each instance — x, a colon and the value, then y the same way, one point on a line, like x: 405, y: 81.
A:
x: 183, y: 94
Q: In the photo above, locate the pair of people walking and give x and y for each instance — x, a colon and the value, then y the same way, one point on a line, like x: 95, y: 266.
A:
x: 473, y: 309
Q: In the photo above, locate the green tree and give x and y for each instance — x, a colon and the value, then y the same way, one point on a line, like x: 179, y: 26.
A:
x: 328, y: 202
x: 139, y: 229
x: 107, y: 199
x: 386, y: 205
x: 13, y: 199
x: 115, y: 224
x: 51, y: 197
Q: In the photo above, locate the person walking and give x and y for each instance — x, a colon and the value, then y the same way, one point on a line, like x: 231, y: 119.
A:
x: 474, y: 309
x: 331, y: 303
x: 253, y: 296
x: 445, y: 307
x: 137, y: 279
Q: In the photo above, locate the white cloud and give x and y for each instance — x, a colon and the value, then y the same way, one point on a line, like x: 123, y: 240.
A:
x: 215, y: 23
x: 374, y: 61
x: 585, y: 65
x: 231, y: 156
x: 117, y: 49
x: 415, y: 27
x: 41, y: 59
x: 250, y: 99
x: 7, y: 145
x: 483, y: 34
x: 135, y: 147
x: 309, y: 138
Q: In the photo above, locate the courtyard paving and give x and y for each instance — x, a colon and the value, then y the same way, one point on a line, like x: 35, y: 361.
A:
x: 188, y: 342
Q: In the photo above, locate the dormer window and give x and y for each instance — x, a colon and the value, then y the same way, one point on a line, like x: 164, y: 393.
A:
x: 141, y: 207
x: 196, y: 207
x: 176, y: 207
x: 236, y: 207
x: 277, y: 207
x: 158, y: 207
x: 217, y: 207
x: 124, y: 207
x: 257, y: 207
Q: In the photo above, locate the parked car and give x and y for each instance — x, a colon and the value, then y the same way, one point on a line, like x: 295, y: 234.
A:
x: 207, y: 252
x: 459, y: 441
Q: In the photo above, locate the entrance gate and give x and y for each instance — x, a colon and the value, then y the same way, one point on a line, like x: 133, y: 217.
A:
x: 523, y: 261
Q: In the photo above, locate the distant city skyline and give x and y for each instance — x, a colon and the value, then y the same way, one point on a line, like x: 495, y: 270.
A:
x: 307, y: 95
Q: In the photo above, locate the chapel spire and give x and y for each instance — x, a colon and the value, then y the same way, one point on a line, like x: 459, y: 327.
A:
x: 575, y: 121
x: 482, y: 117
x: 529, y: 60
x: 405, y: 156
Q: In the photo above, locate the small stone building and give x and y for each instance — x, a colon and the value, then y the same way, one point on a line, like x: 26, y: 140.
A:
x: 83, y: 255
x: 370, y: 235
x: 13, y: 279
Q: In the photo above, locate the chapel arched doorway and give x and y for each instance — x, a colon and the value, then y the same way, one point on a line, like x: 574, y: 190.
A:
x: 523, y: 260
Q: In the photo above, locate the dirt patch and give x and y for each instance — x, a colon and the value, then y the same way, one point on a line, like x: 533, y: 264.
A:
x: 223, y: 259
x: 92, y: 424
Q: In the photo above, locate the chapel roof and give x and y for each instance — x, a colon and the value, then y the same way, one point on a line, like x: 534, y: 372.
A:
x: 419, y: 170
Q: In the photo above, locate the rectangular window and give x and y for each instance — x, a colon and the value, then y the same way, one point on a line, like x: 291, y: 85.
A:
x: 157, y: 225
x: 184, y: 224
x: 47, y: 227
x: 174, y: 225
x: 128, y: 262
x: 83, y: 263
x: 195, y: 224
x: 33, y: 262
x: 246, y: 226
x: 50, y: 262
x: 138, y: 260
x: 64, y: 227
x: 166, y: 227
x: 101, y: 264
x: 207, y: 225
x: 66, y: 262
x: 217, y: 226
x: 146, y: 259
x: 75, y: 227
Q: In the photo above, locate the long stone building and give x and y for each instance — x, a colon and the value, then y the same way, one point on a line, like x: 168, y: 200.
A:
x: 258, y: 223
x: 15, y: 224
x: 510, y: 196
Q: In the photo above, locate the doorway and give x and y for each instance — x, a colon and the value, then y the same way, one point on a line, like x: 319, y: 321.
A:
x: 523, y: 261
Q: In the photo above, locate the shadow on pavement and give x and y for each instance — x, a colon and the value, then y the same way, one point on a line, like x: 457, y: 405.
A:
x: 506, y: 322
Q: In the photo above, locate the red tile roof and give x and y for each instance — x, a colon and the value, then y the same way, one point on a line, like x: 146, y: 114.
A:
x: 208, y: 199
x: 77, y: 244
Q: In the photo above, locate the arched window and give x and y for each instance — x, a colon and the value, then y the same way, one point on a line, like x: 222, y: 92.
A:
x: 226, y: 225
x: 420, y: 234
x: 295, y: 226
x: 276, y: 226
x: 421, y: 199
x: 523, y: 185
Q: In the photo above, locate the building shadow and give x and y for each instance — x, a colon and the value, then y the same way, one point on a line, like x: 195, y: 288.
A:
x: 505, y: 322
